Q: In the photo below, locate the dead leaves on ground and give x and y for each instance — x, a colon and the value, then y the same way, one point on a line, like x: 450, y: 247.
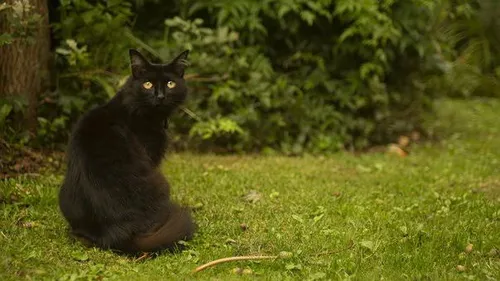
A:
x: 18, y: 160
x: 401, y: 148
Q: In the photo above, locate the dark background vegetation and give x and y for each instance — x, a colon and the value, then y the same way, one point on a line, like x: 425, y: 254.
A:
x: 267, y: 76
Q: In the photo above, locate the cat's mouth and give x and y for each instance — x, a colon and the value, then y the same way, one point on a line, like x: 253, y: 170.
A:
x: 160, y: 102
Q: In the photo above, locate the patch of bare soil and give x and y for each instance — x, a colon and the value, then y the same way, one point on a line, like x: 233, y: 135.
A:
x: 16, y: 160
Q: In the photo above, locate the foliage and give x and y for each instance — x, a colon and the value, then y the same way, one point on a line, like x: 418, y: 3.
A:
x: 290, y: 76
x: 11, y: 106
x: 473, y: 28
x: 91, y: 60
x: 21, y: 22
x: 317, y: 75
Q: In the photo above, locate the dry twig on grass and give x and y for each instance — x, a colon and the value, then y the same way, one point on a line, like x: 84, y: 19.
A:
x: 281, y: 255
x: 212, y: 263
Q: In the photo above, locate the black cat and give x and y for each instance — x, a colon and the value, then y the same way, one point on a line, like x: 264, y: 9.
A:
x: 113, y: 195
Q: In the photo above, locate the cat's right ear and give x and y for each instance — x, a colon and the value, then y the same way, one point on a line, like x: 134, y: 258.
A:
x: 138, y: 62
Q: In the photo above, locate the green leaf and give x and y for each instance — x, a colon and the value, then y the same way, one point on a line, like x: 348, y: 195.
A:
x: 308, y: 17
x: 5, y: 38
x: 63, y: 51
x: 292, y: 266
x: 72, y: 44
x: 318, y: 218
x: 298, y: 218
x: 5, y: 110
x: 80, y: 256
x: 283, y: 10
x: 319, y: 211
x: 4, y: 6
x: 274, y: 194
x: 316, y: 276
x: 404, y: 230
x: 285, y: 254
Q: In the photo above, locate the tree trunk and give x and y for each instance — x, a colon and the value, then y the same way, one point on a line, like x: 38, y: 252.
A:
x: 24, y: 64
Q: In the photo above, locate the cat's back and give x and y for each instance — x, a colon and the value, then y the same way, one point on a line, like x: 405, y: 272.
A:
x: 97, y: 134
x: 96, y: 123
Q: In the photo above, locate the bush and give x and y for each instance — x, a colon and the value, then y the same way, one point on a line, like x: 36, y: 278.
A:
x: 473, y: 29
x: 90, y: 61
x: 289, y: 76
x: 313, y: 75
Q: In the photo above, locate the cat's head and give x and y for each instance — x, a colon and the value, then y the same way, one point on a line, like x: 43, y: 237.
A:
x: 157, y: 87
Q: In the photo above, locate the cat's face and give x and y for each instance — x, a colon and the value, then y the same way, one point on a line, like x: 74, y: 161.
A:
x: 157, y: 86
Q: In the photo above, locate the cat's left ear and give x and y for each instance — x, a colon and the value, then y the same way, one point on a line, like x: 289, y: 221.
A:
x: 180, y: 63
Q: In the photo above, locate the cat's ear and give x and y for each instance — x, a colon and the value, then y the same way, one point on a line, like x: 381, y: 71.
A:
x: 179, y: 63
x: 138, y: 62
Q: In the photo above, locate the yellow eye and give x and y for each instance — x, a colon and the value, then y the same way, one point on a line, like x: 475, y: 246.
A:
x: 171, y: 84
x: 147, y: 85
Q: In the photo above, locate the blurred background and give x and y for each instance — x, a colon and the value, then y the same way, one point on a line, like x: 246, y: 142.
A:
x: 267, y: 76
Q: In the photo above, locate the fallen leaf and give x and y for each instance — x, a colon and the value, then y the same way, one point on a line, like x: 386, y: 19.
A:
x: 243, y: 226
x: 415, y: 136
x: 247, y: 271
x: 404, y: 230
x: 396, y: 150
x: 28, y: 224
x: 461, y: 268
x: 403, y: 141
x: 240, y: 271
x: 368, y: 245
x: 230, y: 241
x: 253, y: 196
x: 237, y: 270
x: 317, y: 276
x: 337, y: 194
x: 17, y: 167
x: 285, y: 254
x: 469, y: 247
x: 292, y: 266
x: 493, y: 252
x: 461, y: 256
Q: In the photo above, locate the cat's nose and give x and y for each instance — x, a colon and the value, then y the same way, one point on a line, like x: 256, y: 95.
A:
x: 161, y: 96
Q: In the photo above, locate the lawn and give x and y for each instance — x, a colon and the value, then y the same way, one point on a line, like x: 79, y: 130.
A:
x: 433, y: 215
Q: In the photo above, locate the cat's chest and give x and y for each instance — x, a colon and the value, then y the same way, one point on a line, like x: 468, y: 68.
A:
x: 149, y: 136
x: 152, y: 140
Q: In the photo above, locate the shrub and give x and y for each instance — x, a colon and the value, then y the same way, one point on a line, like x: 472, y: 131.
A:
x: 289, y: 76
x: 90, y: 61
x: 473, y: 29
x: 313, y: 75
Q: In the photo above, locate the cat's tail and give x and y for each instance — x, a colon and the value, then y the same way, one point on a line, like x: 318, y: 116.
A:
x: 179, y: 226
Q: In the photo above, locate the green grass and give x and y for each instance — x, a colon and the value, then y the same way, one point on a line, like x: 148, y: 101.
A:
x: 405, y: 218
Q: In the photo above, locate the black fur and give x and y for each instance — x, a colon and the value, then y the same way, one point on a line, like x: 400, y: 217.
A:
x: 113, y: 195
